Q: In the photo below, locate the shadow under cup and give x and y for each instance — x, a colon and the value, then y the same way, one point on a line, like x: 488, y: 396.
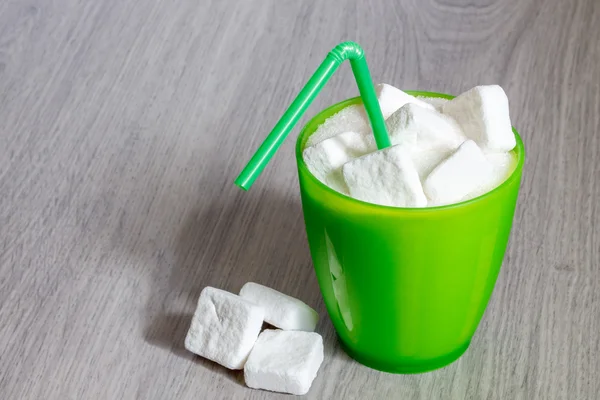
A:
x: 405, y: 288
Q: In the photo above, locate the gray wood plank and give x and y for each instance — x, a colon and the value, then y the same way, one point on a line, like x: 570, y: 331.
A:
x: 124, y: 122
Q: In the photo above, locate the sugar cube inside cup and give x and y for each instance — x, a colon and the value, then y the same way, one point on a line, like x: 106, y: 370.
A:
x: 352, y: 118
x: 387, y: 177
x: 483, y: 115
x: 458, y: 175
x: 436, y: 144
x: 391, y: 99
x: 325, y: 159
x: 423, y: 128
x: 436, y: 102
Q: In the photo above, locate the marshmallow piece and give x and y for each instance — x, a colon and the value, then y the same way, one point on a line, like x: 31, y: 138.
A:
x: 224, y: 328
x: 483, y: 115
x: 423, y: 128
x: 284, y: 361
x: 458, y: 175
x: 351, y: 118
x: 436, y: 102
x: 387, y: 177
x: 281, y: 310
x: 391, y: 99
x: 325, y: 159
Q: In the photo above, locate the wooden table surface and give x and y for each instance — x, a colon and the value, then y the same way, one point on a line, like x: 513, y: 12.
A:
x: 124, y: 122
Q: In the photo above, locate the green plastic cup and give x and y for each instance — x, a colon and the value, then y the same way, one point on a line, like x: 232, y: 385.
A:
x: 405, y: 288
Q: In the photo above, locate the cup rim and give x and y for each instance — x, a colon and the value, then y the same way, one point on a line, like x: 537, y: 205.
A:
x: 318, y: 120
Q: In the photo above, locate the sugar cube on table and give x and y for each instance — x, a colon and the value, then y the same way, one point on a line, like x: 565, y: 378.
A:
x: 458, y: 175
x: 352, y: 118
x: 284, y: 361
x: 483, y: 115
x: 281, y: 310
x: 386, y: 177
x: 224, y: 328
x: 423, y: 128
x: 325, y: 159
x: 391, y: 99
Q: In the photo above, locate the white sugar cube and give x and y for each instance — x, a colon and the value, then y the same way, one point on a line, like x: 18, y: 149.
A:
x: 424, y: 129
x: 436, y: 102
x: 483, y: 115
x: 386, y: 177
x: 224, y: 328
x: 325, y: 159
x: 391, y: 99
x: 281, y: 310
x: 503, y: 165
x: 458, y: 175
x: 426, y: 160
x: 430, y: 135
x: 352, y: 118
x: 284, y: 361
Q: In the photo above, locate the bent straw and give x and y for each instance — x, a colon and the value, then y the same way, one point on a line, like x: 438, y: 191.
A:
x: 343, y: 51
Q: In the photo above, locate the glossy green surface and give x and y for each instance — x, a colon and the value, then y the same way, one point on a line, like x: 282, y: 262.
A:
x: 405, y: 288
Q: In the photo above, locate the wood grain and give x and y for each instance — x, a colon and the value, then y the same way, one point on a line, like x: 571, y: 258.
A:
x: 124, y: 122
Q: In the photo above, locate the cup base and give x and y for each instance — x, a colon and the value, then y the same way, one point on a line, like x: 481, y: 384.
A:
x: 409, y: 367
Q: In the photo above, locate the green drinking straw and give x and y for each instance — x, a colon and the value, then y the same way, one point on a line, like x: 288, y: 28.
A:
x: 343, y: 51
